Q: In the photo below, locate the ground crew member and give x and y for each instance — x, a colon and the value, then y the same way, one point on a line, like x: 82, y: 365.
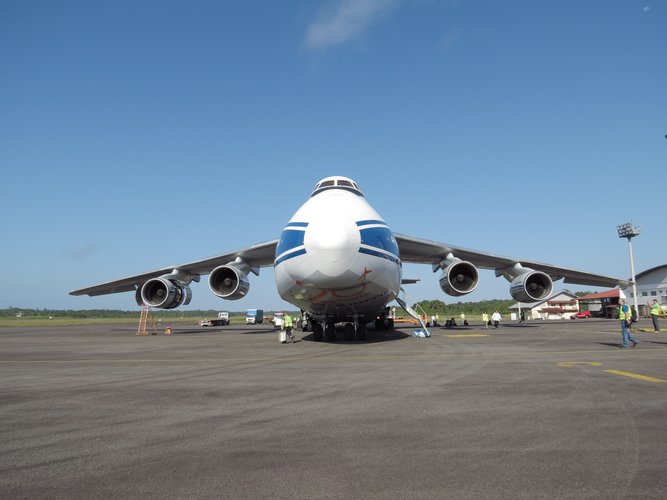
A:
x: 625, y: 316
x: 655, y: 314
x: 288, y: 323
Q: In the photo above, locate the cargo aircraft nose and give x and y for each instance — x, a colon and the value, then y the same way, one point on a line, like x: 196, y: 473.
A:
x: 332, y: 243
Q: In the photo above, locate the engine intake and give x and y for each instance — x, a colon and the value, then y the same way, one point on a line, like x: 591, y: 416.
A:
x: 531, y: 286
x: 459, y: 278
x: 228, y: 282
x: 165, y: 293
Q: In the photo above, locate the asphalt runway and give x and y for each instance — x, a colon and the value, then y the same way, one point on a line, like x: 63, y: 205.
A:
x: 546, y: 410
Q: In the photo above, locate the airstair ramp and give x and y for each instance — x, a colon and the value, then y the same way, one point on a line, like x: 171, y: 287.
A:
x: 421, y: 332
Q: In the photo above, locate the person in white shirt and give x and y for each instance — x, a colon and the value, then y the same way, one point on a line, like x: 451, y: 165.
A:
x: 495, y: 318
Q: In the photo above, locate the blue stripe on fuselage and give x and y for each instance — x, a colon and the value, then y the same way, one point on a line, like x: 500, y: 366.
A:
x: 382, y: 255
x: 290, y: 255
x: 376, y: 234
x: 376, y: 239
x: 291, y: 242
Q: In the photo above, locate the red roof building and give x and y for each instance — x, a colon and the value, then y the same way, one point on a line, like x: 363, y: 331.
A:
x: 614, y: 293
x: 603, y: 302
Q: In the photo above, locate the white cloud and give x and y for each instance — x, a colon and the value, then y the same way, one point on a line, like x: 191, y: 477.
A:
x: 344, y: 21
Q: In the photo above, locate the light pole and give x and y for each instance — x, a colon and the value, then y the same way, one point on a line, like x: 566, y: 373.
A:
x: 629, y: 231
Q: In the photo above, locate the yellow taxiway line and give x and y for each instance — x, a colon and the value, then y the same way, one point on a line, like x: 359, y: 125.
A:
x: 636, y: 375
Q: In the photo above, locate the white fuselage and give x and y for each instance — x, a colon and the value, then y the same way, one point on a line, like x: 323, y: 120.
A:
x: 337, y: 259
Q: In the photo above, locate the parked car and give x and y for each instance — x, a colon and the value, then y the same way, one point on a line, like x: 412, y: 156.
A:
x: 581, y: 315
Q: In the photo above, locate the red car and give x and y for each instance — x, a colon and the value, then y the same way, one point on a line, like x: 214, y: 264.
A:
x: 581, y: 315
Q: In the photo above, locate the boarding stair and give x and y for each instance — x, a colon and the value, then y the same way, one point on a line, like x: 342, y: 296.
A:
x: 404, y: 304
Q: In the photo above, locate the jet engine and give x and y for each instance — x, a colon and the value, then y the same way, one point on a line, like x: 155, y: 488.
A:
x: 229, y: 282
x: 165, y: 293
x: 531, y: 286
x: 459, y: 278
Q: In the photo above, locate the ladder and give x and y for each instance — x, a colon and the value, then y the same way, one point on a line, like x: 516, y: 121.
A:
x: 143, y: 320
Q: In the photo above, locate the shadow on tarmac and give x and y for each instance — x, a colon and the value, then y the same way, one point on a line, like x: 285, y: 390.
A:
x: 517, y: 325
x: 262, y: 330
x: 612, y: 344
x: 373, y: 337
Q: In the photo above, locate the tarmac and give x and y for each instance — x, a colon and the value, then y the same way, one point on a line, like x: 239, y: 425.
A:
x: 550, y: 409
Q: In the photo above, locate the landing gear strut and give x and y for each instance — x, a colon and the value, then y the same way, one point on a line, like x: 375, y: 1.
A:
x: 330, y: 331
x: 355, y: 330
x: 317, y: 330
x: 360, y: 327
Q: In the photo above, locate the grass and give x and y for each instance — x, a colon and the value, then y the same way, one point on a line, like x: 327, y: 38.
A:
x: 33, y: 321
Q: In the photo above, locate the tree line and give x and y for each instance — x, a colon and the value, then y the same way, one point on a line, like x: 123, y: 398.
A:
x: 429, y: 307
x: 433, y: 307
x: 12, y: 312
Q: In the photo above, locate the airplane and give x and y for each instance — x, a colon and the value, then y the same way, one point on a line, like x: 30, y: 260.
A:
x: 337, y: 260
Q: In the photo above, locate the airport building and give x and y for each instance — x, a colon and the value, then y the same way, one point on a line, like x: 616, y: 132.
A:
x: 651, y: 284
x: 559, y: 306
x: 602, y: 304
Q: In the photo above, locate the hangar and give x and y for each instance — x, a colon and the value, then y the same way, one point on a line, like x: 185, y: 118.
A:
x: 651, y: 284
x: 602, y: 303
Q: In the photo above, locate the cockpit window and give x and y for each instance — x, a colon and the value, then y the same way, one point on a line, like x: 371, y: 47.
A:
x: 337, y: 183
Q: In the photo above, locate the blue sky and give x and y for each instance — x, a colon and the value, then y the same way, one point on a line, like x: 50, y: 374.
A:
x: 136, y: 135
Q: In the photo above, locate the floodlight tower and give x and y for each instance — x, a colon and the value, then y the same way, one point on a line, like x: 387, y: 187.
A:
x: 629, y: 231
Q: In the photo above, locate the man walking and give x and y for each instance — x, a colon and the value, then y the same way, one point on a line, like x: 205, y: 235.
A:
x: 495, y: 318
x: 655, y: 314
x: 625, y: 316
x: 289, y: 323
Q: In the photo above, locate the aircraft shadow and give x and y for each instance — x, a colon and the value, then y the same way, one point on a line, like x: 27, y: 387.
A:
x: 516, y: 325
x: 372, y: 337
x: 195, y: 331
x: 221, y: 329
x: 257, y: 331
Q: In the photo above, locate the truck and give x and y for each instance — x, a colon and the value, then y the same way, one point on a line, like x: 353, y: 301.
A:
x: 254, y: 317
x: 223, y: 320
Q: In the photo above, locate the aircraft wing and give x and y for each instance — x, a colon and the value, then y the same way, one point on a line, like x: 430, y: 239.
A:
x: 421, y: 251
x: 260, y: 255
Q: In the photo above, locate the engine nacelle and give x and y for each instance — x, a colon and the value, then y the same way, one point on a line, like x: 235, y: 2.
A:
x: 228, y: 282
x: 165, y: 293
x: 531, y: 286
x: 459, y: 278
